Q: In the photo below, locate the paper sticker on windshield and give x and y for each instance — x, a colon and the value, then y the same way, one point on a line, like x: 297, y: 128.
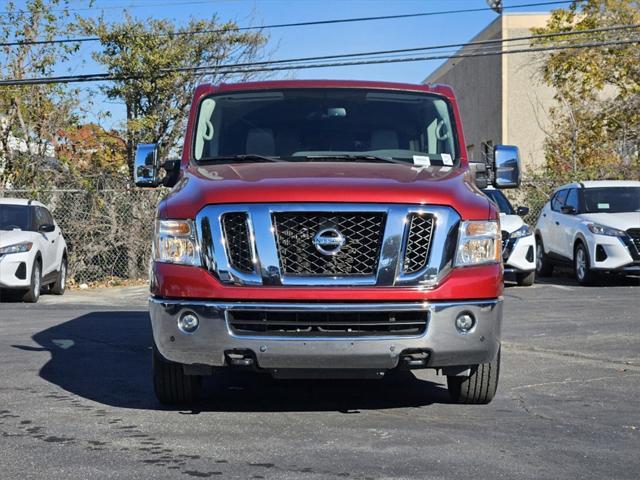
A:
x: 446, y: 159
x: 421, y: 160
x: 603, y: 206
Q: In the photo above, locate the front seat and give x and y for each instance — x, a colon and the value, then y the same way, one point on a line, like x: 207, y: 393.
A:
x: 260, y: 141
x: 384, y: 140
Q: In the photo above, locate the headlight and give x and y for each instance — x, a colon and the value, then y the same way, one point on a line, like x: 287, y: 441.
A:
x: 175, y: 242
x: 602, y: 230
x: 17, y: 248
x: 478, y: 243
x: 523, y: 231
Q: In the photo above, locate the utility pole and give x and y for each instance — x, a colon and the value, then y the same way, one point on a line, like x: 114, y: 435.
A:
x: 495, y: 5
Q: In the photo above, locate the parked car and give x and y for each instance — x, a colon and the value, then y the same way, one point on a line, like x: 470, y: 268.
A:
x: 328, y: 229
x: 33, y: 252
x: 593, y: 226
x: 518, y: 243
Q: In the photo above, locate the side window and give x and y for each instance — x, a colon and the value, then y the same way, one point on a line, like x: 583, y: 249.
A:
x: 47, y: 216
x: 558, y: 200
x: 572, y: 199
x: 43, y: 217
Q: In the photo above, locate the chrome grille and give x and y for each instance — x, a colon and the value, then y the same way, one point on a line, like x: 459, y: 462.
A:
x: 358, y: 256
x: 362, y: 244
x: 236, y: 234
x: 634, y: 233
x: 505, y: 238
x: 418, y: 242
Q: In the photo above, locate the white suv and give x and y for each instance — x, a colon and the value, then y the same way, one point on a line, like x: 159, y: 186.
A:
x: 518, y: 244
x: 594, y: 226
x: 33, y: 252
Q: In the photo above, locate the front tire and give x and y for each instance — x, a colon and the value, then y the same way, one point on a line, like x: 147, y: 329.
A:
x: 582, y: 266
x: 60, y: 284
x: 171, y: 385
x: 544, y: 268
x: 525, y: 279
x: 33, y: 294
x: 480, y: 387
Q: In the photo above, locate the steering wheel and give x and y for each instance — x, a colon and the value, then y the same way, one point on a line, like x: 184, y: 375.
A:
x: 13, y: 227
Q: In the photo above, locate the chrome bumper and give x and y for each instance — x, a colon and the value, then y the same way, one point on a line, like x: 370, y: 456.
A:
x: 445, y: 344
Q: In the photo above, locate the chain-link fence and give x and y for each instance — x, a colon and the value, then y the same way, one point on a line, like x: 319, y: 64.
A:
x: 108, y: 232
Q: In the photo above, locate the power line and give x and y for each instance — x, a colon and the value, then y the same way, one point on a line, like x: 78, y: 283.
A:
x: 220, y: 69
x: 431, y: 47
x: 286, y: 25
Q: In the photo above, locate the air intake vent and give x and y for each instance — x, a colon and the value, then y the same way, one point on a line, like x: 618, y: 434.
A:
x: 418, y: 242
x: 238, y: 241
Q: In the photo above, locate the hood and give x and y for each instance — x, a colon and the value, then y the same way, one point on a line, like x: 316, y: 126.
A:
x: 510, y: 223
x: 340, y: 182
x: 11, y: 237
x: 621, y: 221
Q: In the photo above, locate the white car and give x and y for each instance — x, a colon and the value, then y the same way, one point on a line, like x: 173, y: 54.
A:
x: 593, y: 226
x: 33, y: 252
x: 518, y: 244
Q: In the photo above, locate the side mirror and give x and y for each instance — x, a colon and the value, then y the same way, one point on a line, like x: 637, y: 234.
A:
x: 506, y: 166
x: 569, y: 209
x: 47, y: 227
x: 522, y: 211
x: 146, y: 168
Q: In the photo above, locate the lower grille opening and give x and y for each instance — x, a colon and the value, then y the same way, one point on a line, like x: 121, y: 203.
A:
x: 329, y: 324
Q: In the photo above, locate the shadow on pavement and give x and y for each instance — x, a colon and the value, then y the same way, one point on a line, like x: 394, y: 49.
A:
x: 104, y: 356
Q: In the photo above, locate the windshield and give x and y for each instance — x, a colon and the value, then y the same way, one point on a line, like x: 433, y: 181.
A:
x: 612, y: 200
x: 302, y: 123
x: 499, y: 199
x: 14, y: 217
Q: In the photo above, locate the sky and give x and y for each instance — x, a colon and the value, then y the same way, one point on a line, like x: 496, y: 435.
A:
x: 312, y: 40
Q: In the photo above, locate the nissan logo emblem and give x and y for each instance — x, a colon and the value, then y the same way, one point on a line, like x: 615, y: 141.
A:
x: 328, y: 241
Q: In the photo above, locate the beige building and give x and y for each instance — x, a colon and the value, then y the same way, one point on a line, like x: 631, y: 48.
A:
x: 501, y: 97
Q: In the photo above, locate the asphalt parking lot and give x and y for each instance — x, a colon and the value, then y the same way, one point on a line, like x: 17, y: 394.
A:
x: 76, y: 402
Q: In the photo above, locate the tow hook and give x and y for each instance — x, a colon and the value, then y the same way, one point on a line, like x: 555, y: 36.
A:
x: 239, y: 358
x: 414, y: 358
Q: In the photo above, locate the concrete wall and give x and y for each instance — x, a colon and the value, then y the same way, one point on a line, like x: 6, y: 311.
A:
x: 502, y: 99
x: 526, y: 99
x: 477, y: 82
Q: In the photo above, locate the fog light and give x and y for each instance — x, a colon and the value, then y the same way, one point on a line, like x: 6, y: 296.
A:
x: 465, y: 322
x: 188, y: 323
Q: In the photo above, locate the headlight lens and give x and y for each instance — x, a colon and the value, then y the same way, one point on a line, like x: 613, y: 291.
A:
x: 478, y: 243
x: 17, y: 248
x: 602, y: 230
x: 175, y: 242
x: 523, y: 231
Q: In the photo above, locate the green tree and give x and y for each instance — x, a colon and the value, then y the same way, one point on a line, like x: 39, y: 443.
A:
x: 30, y: 116
x: 596, y: 120
x: 139, y: 52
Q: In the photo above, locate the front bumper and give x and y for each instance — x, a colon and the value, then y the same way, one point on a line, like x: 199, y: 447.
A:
x: 519, y: 254
x: 613, y: 254
x: 15, y: 270
x: 444, y: 343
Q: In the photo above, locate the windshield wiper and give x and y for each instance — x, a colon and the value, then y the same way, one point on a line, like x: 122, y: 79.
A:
x: 249, y: 157
x: 355, y: 157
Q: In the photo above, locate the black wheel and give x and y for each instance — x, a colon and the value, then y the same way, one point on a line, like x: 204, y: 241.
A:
x: 525, y: 279
x: 544, y: 268
x: 33, y: 294
x: 171, y: 385
x: 60, y: 284
x: 582, y: 266
x: 480, y: 387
